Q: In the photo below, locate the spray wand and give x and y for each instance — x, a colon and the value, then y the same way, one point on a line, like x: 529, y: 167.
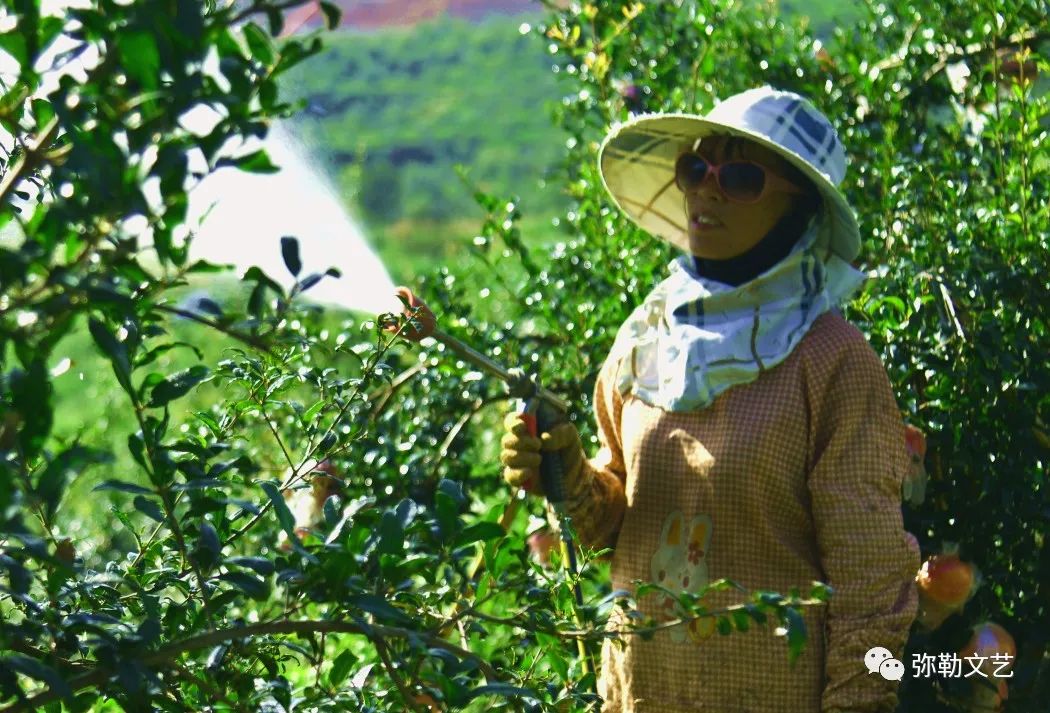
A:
x: 541, y: 410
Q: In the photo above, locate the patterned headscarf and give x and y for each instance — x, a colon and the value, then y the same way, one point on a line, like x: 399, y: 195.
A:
x: 692, y: 338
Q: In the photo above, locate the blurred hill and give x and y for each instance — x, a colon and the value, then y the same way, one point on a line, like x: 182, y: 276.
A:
x: 393, y: 112
x: 380, y: 13
x: 376, y: 14
x: 408, y: 89
x: 366, y: 15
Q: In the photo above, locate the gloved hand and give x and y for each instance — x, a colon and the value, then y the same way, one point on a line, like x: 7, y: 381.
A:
x: 520, y: 455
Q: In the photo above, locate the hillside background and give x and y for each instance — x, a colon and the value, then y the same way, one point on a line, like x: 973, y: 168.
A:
x: 406, y: 90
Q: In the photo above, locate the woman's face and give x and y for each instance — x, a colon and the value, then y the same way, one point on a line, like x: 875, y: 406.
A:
x: 721, y: 228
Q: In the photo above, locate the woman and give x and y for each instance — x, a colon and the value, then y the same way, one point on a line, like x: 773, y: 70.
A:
x: 747, y: 431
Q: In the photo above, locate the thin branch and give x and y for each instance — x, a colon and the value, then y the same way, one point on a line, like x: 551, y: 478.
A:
x: 277, y: 436
x: 239, y: 336
x: 442, y: 450
x: 28, y: 158
x: 389, y: 390
x: 256, y: 8
x: 384, y: 658
x: 670, y: 624
x: 99, y: 676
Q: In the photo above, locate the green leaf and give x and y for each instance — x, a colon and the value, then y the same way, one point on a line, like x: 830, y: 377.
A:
x: 755, y: 613
x: 796, y: 632
x: 208, y: 548
x: 446, y: 510
x: 36, y: 670
x: 254, y: 274
x: 253, y: 586
x: 275, y: 18
x: 43, y: 112
x: 178, y: 385
x: 205, y: 267
x: 256, y: 300
x: 378, y: 607
x: 139, y: 56
x: 31, y: 397
x: 284, y: 515
x: 290, y: 253
x: 309, y: 281
x: 821, y: 591
x: 137, y: 448
x: 481, y: 531
x: 391, y: 535
x: 259, y: 43
x: 126, y: 521
x: 52, y: 482
x: 151, y: 355
x: 115, y: 351
x: 330, y: 509
x: 341, y: 668
x: 725, y: 627
x: 501, y: 689
x: 332, y: 15
x: 261, y: 565
x: 149, y: 508
x: 14, y: 43
x: 254, y: 162
x: 741, y: 620
x: 557, y: 660
x: 311, y: 413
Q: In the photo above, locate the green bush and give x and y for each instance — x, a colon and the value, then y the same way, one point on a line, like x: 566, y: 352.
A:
x: 213, y: 596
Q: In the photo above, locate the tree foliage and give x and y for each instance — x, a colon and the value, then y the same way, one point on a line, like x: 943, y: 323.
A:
x: 406, y: 591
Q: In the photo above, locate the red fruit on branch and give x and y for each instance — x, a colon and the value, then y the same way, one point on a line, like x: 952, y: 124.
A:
x: 541, y: 544
x: 946, y: 579
x: 307, y: 505
x: 987, y: 697
x: 324, y: 482
x: 913, y: 487
x: 915, y: 442
x: 991, y: 640
x: 945, y: 584
x: 422, y: 323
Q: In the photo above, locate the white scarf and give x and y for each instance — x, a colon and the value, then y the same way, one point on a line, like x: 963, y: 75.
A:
x: 692, y: 338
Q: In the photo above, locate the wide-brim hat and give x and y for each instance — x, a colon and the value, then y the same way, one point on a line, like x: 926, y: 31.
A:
x: 636, y: 161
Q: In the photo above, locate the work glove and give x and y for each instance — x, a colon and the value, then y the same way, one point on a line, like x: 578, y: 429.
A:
x: 520, y: 456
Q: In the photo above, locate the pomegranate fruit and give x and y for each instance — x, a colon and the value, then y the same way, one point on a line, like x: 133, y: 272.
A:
x: 915, y: 441
x: 987, y: 697
x: 945, y: 584
x: 913, y: 487
x: 946, y: 579
x: 423, y: 322
x: 307, y: 504
x: 989, y: 639
x: 541, y: 544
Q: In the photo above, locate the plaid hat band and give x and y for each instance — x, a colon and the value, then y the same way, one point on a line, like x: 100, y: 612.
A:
x: 790, y: 121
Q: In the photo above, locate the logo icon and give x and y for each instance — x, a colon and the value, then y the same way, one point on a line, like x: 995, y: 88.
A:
x: 879, y: 660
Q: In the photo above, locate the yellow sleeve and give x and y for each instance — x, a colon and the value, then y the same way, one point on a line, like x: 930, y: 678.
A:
x: 597, y: 511
x: 858, y: 462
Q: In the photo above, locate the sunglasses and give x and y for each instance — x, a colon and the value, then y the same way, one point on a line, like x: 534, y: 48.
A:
x: 741, y: 181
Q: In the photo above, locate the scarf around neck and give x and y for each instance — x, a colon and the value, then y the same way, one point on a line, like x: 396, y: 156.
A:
x: 692, y: 338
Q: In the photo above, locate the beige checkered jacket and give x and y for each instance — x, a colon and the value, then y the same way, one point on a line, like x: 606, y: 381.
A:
x: 792, y: 478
